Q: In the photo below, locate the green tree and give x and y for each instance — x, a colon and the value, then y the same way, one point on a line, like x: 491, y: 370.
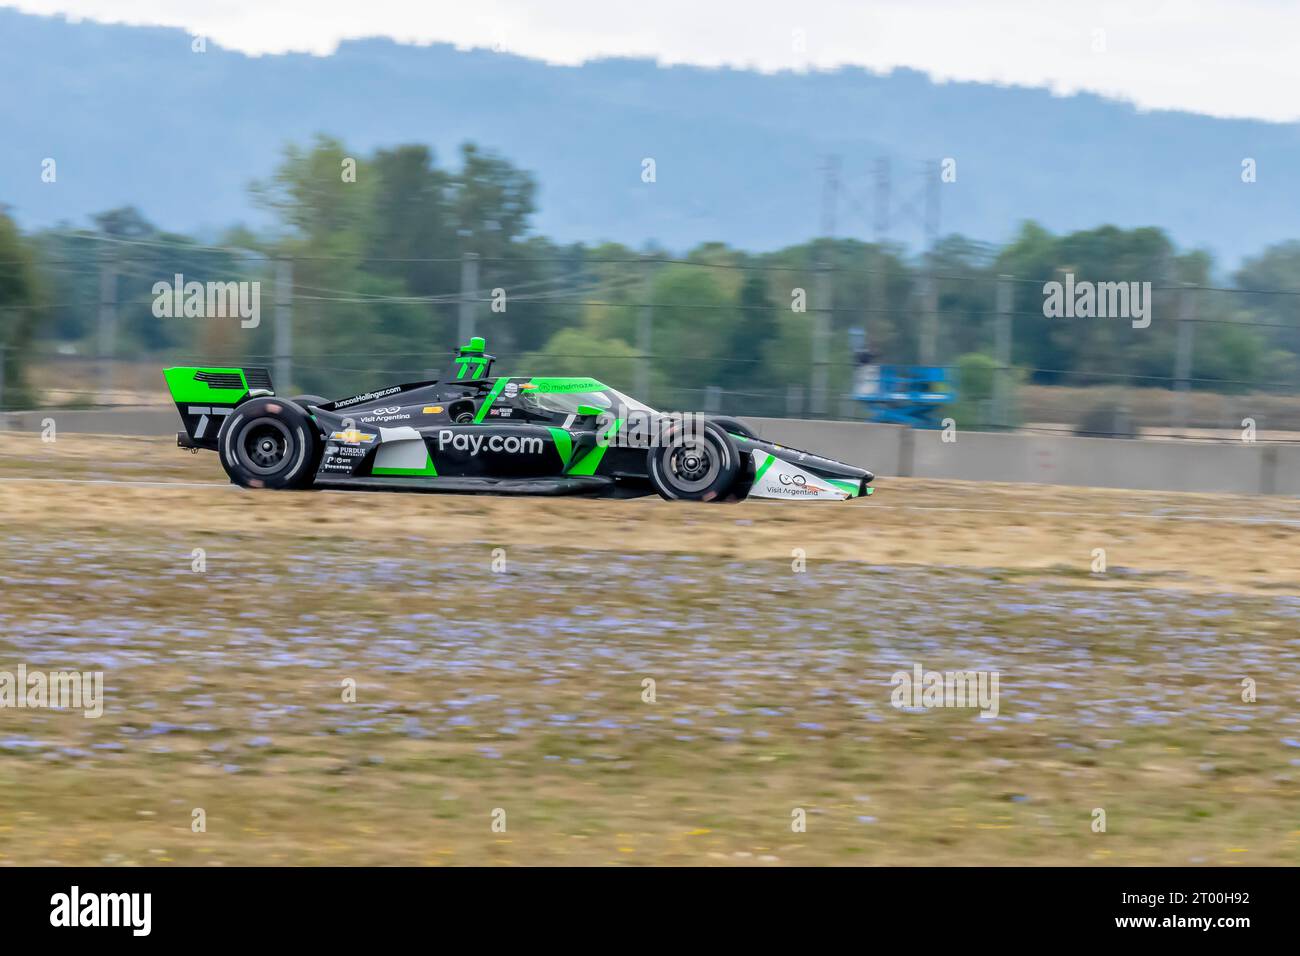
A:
x: 693, y: 320
x: 491, y: 202
x: 573, y: 352
x: 353, y: 324
x: 410, y: 221
x: 19, y: 315
x: 754, y: 328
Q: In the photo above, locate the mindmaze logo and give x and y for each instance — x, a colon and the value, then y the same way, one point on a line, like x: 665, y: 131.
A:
x: 57, y: 690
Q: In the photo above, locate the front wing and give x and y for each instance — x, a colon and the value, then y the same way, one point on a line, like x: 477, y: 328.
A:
x: 777, y: 478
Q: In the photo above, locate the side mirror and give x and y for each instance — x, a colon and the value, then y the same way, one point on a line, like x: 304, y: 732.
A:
x: 588, y: 411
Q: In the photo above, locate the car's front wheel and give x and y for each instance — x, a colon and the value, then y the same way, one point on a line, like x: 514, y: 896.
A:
x: 269, y: 443
x: 699, y: 465
x: 735, y: 426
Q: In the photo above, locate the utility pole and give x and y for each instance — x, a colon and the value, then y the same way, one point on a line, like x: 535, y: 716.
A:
x: 1002, y: 336
x: 929, y: 293
x: 7, y: 322
x: 881, y: 211
x: 645, y: 329
x: 880, y: 227
x: 283, y: 346
x: 107, y: 319
x: 1183, y: 354
x: 825, y: 289
x: 468, y: 295
x: 930, y: 175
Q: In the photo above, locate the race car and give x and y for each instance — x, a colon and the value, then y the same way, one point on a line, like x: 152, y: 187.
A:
x: 475, y: 432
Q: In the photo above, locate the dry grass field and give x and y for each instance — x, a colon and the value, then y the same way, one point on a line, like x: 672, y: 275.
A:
x: 499, y: 649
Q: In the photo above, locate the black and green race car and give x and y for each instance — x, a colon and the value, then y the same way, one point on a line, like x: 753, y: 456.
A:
x: 476, y: 432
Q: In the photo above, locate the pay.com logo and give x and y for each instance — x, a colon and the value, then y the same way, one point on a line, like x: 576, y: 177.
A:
x: 215, y: 300
x: 1102, y: 300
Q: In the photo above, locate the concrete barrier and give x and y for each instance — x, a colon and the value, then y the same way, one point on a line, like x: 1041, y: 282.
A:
x: 893, y: 450
x: 1093, y: 462
x: 109, y: 421
x: 878, y: 448
x: 1233, y: 467
x: 1284, y: 475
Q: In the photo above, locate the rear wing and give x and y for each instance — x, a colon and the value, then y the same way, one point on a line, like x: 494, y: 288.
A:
x: 205, y: 396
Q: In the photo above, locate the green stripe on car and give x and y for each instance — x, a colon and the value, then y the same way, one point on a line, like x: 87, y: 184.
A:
x: 428, y: 471
x: 491, y: 397
x: 589, y: 462
x: 852, y: 488
x: 563, y: 444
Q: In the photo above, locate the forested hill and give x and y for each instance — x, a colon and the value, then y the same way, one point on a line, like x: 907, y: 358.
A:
x: 133, y: 116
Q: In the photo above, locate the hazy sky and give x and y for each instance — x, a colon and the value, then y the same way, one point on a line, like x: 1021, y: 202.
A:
x: 1222, y: 57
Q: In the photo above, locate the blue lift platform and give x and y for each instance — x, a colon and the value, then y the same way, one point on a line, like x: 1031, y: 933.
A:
x: 905, y: 394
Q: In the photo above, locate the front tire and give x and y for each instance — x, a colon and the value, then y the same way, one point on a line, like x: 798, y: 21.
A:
x: 269, y: 443
x: 699, y: 466
x: 735, y: 426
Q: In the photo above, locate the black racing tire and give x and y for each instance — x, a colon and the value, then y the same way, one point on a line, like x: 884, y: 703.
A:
x: 701, y: 467
x: 304, y: 400
x: 269, y: 443
x: 734, y: 425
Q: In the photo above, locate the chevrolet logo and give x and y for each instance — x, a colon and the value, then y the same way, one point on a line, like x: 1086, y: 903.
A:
x: 352, y: 437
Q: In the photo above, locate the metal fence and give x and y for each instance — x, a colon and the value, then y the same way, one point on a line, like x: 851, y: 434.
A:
x: 1160, y: 378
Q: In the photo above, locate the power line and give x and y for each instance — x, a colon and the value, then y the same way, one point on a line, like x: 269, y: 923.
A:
x: 808, y: 269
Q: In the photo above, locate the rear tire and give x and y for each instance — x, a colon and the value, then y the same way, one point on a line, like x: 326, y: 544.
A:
x: 700, y: 467
x: 269, y: 443
x: 304, y: 400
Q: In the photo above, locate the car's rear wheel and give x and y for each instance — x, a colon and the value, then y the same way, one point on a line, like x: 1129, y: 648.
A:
x: 269, y: 443
x: 304, y: 400
x: 694, y: 465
